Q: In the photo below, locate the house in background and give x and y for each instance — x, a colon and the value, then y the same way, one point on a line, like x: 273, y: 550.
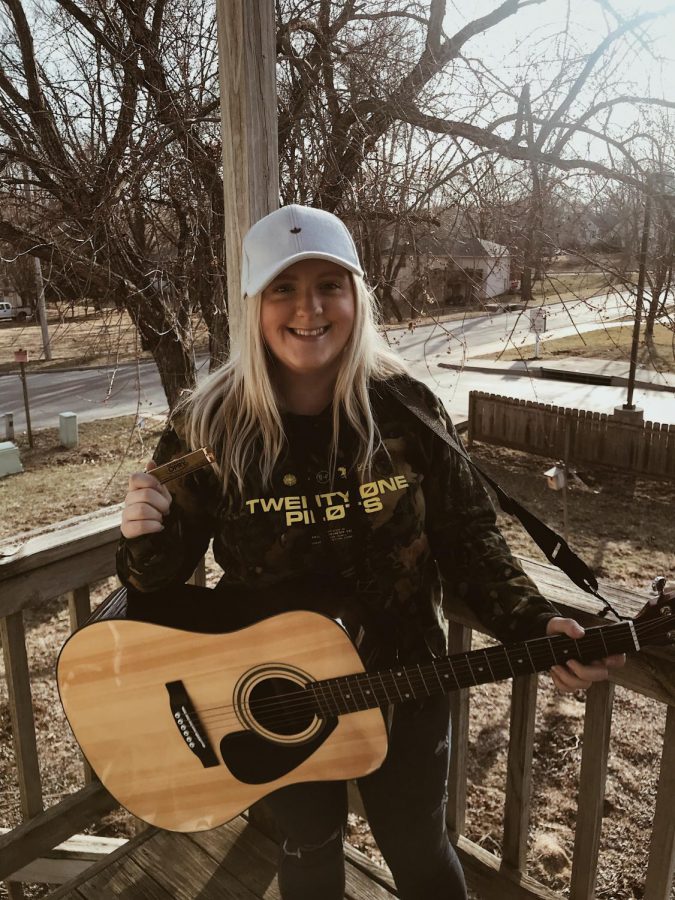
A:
x: 452, y: 271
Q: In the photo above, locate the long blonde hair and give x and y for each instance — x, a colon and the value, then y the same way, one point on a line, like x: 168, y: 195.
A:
x: 235, y: 410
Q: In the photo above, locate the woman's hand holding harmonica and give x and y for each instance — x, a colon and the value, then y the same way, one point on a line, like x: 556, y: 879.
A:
x: 145, y: 505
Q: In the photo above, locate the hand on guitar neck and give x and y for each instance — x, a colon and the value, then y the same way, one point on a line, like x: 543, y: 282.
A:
x: 574, y: 675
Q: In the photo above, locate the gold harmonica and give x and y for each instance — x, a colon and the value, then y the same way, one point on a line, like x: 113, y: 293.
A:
x: 183, y: 465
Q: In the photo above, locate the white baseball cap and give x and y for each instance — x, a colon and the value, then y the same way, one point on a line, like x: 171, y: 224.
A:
x: 288, y: 235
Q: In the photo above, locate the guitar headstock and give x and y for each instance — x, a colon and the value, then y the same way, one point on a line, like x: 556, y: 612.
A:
x: 657, y: 617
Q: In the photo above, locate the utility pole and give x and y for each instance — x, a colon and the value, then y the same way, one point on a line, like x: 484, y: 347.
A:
x: 628, y: 409
x: 39, y: 283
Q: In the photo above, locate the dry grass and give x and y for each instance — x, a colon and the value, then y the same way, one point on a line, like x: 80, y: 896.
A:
x: 563, y: 288
x: 103, y: 338
x: 612, y: 343
x: 63, y: 483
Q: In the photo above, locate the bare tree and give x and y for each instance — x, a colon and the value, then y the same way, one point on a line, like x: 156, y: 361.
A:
x: 112, y: 106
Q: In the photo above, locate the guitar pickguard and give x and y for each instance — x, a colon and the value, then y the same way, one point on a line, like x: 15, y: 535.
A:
x: 253, y: 759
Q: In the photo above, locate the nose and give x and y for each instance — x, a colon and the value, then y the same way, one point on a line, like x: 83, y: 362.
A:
x: 308, y: 300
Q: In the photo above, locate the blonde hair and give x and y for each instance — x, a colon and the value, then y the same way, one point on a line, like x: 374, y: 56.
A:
x: 235, y: 410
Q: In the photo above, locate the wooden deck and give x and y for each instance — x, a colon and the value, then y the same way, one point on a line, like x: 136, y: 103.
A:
x: 234, y: 861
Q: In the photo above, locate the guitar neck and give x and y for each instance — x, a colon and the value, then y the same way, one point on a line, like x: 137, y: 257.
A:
x: 366, y: 690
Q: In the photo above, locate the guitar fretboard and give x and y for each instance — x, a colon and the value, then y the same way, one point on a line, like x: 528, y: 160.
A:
x: 366, y: 690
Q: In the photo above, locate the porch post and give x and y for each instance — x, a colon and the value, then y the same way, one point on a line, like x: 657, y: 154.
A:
x: 248, y: 107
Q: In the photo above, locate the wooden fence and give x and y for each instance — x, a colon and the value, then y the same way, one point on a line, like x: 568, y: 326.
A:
x: 65, y: 562
x: 577, y: 435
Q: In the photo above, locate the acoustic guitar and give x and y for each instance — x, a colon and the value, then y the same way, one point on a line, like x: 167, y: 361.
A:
x: 187, y: 728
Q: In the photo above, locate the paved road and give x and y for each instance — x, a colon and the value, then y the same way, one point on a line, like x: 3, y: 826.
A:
x: 490, y: 334
x: 91, y: 393
x: 103, y: 393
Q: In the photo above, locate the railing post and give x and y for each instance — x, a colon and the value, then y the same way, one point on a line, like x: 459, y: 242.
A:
x: 597, y: 723
x: 23, y: 723
x: 21, y: 709
x: 79, y: 610
x: 519, y: 771
x: 661, y: 866
x: 459, y: 642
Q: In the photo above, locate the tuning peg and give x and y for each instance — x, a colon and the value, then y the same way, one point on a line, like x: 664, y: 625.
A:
x: 658, y: 586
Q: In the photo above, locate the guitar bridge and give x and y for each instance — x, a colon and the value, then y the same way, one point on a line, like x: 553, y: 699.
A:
x: 189, y: 726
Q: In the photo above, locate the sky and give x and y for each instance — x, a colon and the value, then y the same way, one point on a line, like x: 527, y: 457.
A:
x: 643, y: 64
x: 508, y: 44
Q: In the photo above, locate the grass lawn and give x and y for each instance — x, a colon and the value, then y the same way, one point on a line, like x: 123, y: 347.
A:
x: 107, y: 337
x: 578, y: 286
x: 612, y: 343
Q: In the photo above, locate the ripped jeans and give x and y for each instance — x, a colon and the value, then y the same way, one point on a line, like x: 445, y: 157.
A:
x: 405, y: 800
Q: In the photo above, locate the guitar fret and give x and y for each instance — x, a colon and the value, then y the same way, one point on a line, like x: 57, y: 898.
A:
x: 552, y: 649
x: 396, y: 684
x: 532, y: 663
x: 604, y: 643
x: 487, y: 660
x: 497, y: 667
x: 423, y: 681
x: 357, y: 681
x: 317, y: 696
x: 468, y: 662
x: 349, y: 697
x: 434, y: 666
x: 520, y: 657
x: 412, y: 689
x: 327, y: 697
x: 371, y: 692
x: 384, y: 688
x: 338, y: 711
x: 454, y: 674
x: 446, y: 675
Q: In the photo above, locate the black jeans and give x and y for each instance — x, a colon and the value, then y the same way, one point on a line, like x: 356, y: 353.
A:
x: 405, y: 800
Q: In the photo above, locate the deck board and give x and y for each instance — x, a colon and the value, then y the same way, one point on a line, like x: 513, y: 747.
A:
x: 235, y: 861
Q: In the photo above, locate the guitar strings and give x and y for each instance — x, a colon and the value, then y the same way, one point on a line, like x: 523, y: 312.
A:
x: 305, y: 701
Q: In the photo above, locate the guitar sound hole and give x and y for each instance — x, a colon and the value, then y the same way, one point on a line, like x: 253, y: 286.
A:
x: 281, y: 706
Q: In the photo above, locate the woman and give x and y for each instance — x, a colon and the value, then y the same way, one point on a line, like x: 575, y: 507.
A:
x: 325, y: 479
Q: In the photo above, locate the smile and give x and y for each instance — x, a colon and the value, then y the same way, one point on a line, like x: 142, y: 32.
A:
x: 309, y: 332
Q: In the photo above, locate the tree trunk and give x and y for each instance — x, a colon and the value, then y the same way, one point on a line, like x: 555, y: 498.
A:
x: 176, y: 368
x: 175, y: 362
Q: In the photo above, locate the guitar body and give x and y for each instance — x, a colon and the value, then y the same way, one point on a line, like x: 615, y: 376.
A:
x: 179, y: 727
x: 186, y: 729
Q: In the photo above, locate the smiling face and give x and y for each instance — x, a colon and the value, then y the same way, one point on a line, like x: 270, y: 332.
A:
x: 307, y: 316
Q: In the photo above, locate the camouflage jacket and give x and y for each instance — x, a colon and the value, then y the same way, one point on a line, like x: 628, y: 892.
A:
x: 383, y: 537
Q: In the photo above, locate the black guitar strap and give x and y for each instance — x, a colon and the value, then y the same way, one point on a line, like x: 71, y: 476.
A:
x: 553, y: 545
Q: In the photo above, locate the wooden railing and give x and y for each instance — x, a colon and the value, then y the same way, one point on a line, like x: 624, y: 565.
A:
x: 576, y: 435
x: 66, y: 561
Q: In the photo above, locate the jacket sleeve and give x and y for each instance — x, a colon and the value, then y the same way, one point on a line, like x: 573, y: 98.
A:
x: 469, y: 548
x: 155, y: 561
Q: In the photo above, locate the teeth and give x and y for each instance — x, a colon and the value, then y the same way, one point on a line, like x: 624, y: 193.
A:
x: 307, y: 332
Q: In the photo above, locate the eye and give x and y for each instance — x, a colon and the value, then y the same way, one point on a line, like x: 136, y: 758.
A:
x: 331, y: 285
